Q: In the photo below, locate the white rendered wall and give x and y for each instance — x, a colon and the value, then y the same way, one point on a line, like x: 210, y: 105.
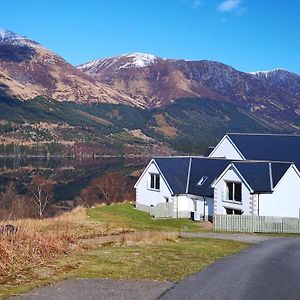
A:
x: 220, y: 201
x: 203, y: 206
x: 285, y: 199
x: 226, y: 150
x: 146, y: 196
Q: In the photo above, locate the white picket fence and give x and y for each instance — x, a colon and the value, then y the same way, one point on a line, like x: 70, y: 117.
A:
x: 242, y: 223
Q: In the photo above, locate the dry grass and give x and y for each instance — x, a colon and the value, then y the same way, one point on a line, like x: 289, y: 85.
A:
x: 38, y: 241
x: 29, y: 246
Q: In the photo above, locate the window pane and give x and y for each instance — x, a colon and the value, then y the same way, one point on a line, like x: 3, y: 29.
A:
x: 230, y: 190
x: 237, y: 192
x: 237, y: 212
x: 157, y: 182
x: 152, y: 185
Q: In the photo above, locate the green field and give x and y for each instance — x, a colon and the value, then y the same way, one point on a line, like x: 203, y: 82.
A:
x: 127, y: 216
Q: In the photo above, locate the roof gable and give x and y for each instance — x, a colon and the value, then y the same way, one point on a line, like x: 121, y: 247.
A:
x: 262, y: 176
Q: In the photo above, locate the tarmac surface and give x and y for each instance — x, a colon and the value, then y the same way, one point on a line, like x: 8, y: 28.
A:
x: 268, y: 270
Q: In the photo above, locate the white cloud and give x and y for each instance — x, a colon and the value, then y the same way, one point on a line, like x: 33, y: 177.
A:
x: 229, y: 5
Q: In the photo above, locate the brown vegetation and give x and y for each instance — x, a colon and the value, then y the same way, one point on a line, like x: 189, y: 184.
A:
x: 37, y: 241
x: 111, y: 188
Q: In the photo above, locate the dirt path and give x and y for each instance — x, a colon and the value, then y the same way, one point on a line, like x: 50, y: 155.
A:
x: 240, y: 237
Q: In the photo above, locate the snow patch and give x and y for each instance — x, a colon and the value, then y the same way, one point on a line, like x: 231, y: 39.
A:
x: 138, y: 60
x: 266, y: 73
x: 7, y: 36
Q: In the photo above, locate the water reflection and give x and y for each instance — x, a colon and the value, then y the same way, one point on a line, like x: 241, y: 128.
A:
x: 70, y: 175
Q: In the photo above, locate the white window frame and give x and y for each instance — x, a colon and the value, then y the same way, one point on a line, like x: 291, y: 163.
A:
x: 156, y: 175
x: 233, y: 191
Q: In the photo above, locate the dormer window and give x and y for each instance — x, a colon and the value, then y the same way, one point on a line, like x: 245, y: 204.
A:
x: 154, y: 182
x: 202, y: 180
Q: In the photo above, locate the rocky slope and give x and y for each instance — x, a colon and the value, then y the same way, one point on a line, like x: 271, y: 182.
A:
x: 27, y: 69
x: 155, y: 82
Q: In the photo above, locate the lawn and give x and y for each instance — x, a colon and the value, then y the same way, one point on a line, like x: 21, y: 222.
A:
x: 165, y: 260
x: 127, y: 216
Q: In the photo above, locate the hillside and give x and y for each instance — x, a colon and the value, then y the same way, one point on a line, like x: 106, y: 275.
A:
x: 156, y: 82
x: 45, y: 126
x: 134, y: 103
x: 27, y: 69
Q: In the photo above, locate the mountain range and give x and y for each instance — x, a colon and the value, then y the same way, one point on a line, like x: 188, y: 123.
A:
x: 269, y: 101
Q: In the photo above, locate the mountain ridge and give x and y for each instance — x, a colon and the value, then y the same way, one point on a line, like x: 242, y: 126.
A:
x: 162, y: 81
x: 42, y: 72
x: 28, y: 70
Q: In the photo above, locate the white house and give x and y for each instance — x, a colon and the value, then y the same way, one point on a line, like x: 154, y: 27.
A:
x: 183, y: 181
x: 250, y: 174
x: 258, y: 188
x: 249, y: 146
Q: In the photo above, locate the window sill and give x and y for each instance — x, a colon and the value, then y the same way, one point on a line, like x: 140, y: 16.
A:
x: 233, y: 202
x: 153, y: 190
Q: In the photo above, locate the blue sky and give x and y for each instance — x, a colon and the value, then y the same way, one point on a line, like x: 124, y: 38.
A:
x: 249, y: 35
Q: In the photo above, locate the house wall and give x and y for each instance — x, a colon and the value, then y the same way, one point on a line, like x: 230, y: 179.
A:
x: 285, y: 199
x: 146, y: 196
x: 186, y: 204
x: 226, y: 149
x: 220, y: 201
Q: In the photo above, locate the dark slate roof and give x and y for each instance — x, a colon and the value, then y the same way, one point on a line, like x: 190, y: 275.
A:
x: 175, y: 170
x: 261, y: 174
x: 273, y: 147
x: 206, y: 168
x: 179, y: 170
x: 208, y: 151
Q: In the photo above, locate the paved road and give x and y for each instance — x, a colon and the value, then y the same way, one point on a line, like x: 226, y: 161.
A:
x: 98, y: 289
x: 269, y: 270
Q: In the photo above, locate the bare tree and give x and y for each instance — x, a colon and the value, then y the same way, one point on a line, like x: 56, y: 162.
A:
x: 42, y: 191
x: 112, y: 186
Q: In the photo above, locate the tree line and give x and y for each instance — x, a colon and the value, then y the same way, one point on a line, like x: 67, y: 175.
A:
x: 39, y: 201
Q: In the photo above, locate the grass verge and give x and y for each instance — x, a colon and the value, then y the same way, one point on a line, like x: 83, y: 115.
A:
x: 164, y: 260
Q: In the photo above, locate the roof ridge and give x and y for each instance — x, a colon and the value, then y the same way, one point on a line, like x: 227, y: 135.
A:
x: 271, y: 176
x: 265, y: 134
x: 262, y: 161
x: 188, y: 176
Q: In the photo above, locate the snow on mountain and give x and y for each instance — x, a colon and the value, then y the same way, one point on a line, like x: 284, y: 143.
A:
x: 10, y: 37
x: 267, y: 73
x: 126, y: 61
x: 138, y: 60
